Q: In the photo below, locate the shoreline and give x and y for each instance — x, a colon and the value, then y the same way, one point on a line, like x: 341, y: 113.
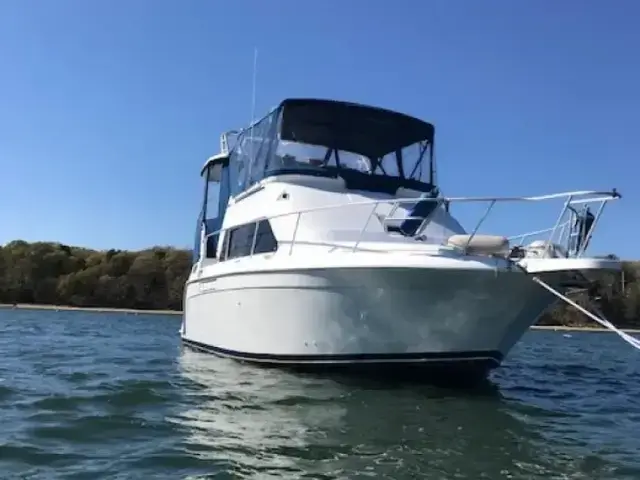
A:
x: 567, y: 328
x: 61, y: 308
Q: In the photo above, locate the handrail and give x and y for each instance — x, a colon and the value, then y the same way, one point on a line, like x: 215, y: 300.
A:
x: 609, y: 197
x: 522, y: 236
x: 536, y: 232
x: 602, y: 196
x: 612, y: 195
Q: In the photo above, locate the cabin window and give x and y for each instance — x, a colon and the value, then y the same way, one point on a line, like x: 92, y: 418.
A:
x: 265, y: 240
x: 211, y: 246
x: 239, y: 240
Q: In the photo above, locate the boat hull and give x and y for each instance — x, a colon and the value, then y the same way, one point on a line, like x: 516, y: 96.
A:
x: 411, y: 320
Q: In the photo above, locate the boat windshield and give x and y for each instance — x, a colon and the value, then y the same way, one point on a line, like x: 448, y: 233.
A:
x: 410, y: 164
x: 375, y: 148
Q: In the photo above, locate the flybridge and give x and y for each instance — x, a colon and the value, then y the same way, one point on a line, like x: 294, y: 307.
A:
x: 365, y: 130
x: 371, y: 148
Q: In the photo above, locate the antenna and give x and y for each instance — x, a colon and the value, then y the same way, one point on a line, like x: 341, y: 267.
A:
x: 253, y: 113
x: 253, y: 93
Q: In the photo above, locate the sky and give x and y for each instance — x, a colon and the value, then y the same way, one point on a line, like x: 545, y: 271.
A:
x: 108, y: 109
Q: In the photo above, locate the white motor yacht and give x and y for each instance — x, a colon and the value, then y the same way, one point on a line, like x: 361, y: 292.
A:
x: 324, y: 242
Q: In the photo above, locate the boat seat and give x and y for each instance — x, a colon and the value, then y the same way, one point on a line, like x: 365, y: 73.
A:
x: 481, y: 244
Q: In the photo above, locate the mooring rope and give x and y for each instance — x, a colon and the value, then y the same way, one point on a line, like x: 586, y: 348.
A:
x: 634, y: 342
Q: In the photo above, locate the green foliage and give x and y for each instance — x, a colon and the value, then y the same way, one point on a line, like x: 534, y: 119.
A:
x: 56, y: 274
x: 616, y: 295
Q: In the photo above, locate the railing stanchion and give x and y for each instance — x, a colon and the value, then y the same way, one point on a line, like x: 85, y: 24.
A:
x: 394, y: 207
x: 589, y: 234
x: 428, y: 218
x: 366, y: 224
x: 564, y: 209
x: 475, y: 230
x: 295, y: 232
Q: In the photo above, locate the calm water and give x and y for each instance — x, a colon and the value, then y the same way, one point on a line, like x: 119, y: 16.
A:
x: 115, y: 396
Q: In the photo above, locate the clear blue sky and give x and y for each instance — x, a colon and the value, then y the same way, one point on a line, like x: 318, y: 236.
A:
x: 108, y: 109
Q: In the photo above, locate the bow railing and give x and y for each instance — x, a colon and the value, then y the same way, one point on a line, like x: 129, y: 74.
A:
x: 572, y: 231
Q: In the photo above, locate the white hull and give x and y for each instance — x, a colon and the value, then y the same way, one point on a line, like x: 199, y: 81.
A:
x: 364, y: 315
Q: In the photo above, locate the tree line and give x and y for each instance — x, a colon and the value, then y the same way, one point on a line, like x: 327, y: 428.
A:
x: 56, y: 274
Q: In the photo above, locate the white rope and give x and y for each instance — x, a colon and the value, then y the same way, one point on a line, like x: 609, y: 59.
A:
x: 634, y: 342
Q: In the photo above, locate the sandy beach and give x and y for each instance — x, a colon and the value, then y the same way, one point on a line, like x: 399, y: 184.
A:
x: 24, y: 306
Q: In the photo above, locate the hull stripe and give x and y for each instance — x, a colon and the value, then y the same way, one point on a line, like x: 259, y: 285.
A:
x: 489, y: 357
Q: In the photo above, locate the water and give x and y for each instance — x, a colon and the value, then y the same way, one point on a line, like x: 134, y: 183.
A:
x: 86, y: 395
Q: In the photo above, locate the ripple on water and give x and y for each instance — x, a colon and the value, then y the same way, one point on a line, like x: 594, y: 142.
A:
x: 114, y: 396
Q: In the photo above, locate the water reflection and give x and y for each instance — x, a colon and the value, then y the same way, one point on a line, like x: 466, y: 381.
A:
x: 284, y: 425
x: 252, y: 418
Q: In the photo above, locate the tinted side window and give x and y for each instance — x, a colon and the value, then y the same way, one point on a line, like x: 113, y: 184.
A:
x: 212, y: 246
x: 225, y: 246
x: 239, y: 240
x: 265, y: 240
